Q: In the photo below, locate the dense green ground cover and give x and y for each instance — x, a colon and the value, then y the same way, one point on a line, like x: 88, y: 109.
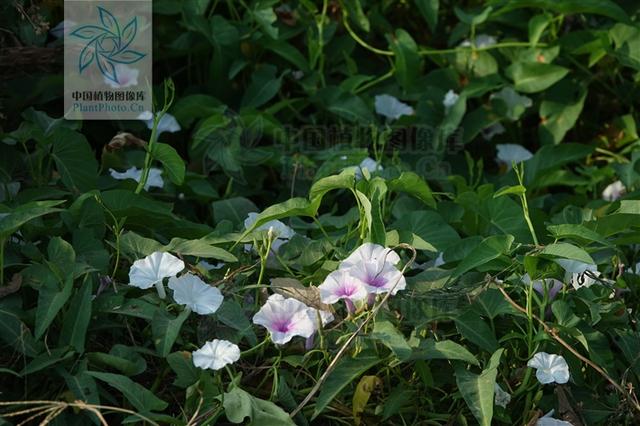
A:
x: 491, y: 145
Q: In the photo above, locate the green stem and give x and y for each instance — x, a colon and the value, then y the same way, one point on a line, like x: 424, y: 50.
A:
x: 149, y: 155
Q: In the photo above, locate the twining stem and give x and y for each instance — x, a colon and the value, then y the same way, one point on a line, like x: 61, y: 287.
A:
x: 169, y: 95
x: 519, y: 171
x: 430, y: 52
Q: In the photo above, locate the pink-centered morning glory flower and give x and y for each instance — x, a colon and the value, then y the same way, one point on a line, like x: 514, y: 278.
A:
x: 341, y: 285
x: 191, y: 291
x: 215, y: 354
x: 378, y: 277
x: 285, y: 318
x: 370, y: 252
x: 151, y: 270
x: 550, y: 368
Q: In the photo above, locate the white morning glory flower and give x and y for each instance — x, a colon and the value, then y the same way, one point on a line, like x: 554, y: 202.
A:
x: 576, y: 272
x: 285, y: 318
x: 215, y: 354
x: 191, y: 291
x: 127, y: 76
x: 279, y: 230
x: 501, y: 398
x: 340, y: 285
x: 168, y: 122
x: 450, y: 99
x: 547, y: 420
x: 481, y: 41
x: 370, y: 252
x: 439, y: 261
x: 151, y: 270
x: 490, y: 132
x: 550, y: 368
x: 368, y: 164
x: 614, y: 191
x: 516, y: 103
x: 511, y: 153
x: 390, y: 107
x: 153, y: 180
x: 210, y: 266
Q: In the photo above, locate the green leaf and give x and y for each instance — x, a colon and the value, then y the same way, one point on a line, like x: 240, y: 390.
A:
x: 74, y: 160
x: 50, y: 301
x: 199, y: 248
x: 407, y: 59
x: 471, y: 18
x: 532, y: 77
x: 492, y: 303
x: 356, y: 14
x: 346, y: 371
x: 344, y: 104
x: 234, y: 210
x: 430, y: 227
x: 173, y: 164
x: 571, y: 7
x: 139, y: 396
x: 567, y: 251
x: 232, y: 315
x: 388, y: 334
x: 221, y: 32
x: 239, y: 404
x: 46, y: 360
x: 16, y: 334
x: 165, y: 330
x: 474, y: 329
x: 76, y: 320
x: 414, y: 185
x: 515, y: 190
x: 263, y: 87
x: 537, y: 25
x: 490, y: 248
x: 123, y: 358
x: 83, y: 386
x: 182, y: 364
x: 443, y: 349
x: 477, y: 390
x: 25, y: 213
x: 560, y: 110
x: 429, y: 11
x: 266, y: 17
x: 580, y: 233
